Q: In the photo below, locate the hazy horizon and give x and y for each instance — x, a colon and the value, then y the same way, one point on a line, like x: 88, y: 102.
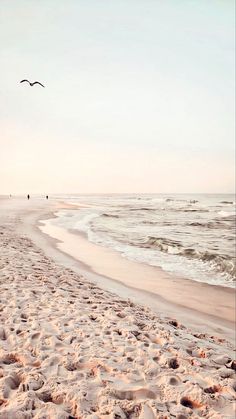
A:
x: 139, y: 96
x: 77, y: 194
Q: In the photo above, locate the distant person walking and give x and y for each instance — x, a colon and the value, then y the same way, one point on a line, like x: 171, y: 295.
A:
x: 28, y: 197
x: 46, y: 196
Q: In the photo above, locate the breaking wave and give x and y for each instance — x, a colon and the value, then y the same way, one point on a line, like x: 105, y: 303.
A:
x: 221, y: 263
x: 110, y: 215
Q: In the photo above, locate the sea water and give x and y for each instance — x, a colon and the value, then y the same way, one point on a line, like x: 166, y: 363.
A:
x: 192, y: 236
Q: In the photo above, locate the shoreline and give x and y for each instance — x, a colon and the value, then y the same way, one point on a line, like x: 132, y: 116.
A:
x: 71, y: 349
x: 196, y: 301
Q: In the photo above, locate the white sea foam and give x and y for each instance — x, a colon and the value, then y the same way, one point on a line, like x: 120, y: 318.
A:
x: 225, y: 213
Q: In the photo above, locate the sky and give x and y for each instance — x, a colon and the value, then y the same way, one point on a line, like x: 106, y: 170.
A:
x: 138, y: 97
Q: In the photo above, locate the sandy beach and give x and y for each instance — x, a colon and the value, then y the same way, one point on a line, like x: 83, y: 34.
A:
x: 80, y: 342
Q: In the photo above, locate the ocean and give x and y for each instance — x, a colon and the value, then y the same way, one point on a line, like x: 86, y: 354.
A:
x: 192, y: 236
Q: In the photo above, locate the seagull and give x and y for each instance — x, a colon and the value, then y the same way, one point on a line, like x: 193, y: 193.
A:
x: 32, y: 84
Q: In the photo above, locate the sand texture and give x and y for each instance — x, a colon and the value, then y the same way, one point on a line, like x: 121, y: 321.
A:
x: 71, y: 350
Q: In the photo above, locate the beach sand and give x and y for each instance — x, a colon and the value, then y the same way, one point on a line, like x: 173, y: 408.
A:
x: 71, y: 349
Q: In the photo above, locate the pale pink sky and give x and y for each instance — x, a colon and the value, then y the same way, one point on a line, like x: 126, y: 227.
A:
x: 139, y: 96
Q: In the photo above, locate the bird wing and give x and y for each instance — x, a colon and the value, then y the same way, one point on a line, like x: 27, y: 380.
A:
x: 37, y: 82
x: 24, y: 80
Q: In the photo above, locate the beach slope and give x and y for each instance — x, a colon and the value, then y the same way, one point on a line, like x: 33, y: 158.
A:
x: 69, y: 349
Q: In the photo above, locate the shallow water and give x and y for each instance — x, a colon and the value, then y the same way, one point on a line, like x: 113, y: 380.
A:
x: 189, y: 235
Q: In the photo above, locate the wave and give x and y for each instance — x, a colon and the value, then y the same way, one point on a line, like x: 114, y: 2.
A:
x: 149, y: 222
x: 192, y: 201
x: 110, y: 215
x: 141, y: 209
x: 196, y: 224
x: 176, y: 200
x: 187, y: 208
x: 220, y: 263
x: 225, y: 214
x: 193, y: 210
x: 163, y: 244
x: 212, y: 225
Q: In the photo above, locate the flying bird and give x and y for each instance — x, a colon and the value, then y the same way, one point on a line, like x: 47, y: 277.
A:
x: 32, y: 84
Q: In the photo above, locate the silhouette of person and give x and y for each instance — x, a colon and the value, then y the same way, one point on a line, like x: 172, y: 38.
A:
x: 46, y: 196
x: 28, y: 197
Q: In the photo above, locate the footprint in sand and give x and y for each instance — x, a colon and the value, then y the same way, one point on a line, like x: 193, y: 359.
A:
x: 141, y: 393
x: 174, y: 381
x: 3, y: 335
x: 173, y: 363
x: 191, y: 404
